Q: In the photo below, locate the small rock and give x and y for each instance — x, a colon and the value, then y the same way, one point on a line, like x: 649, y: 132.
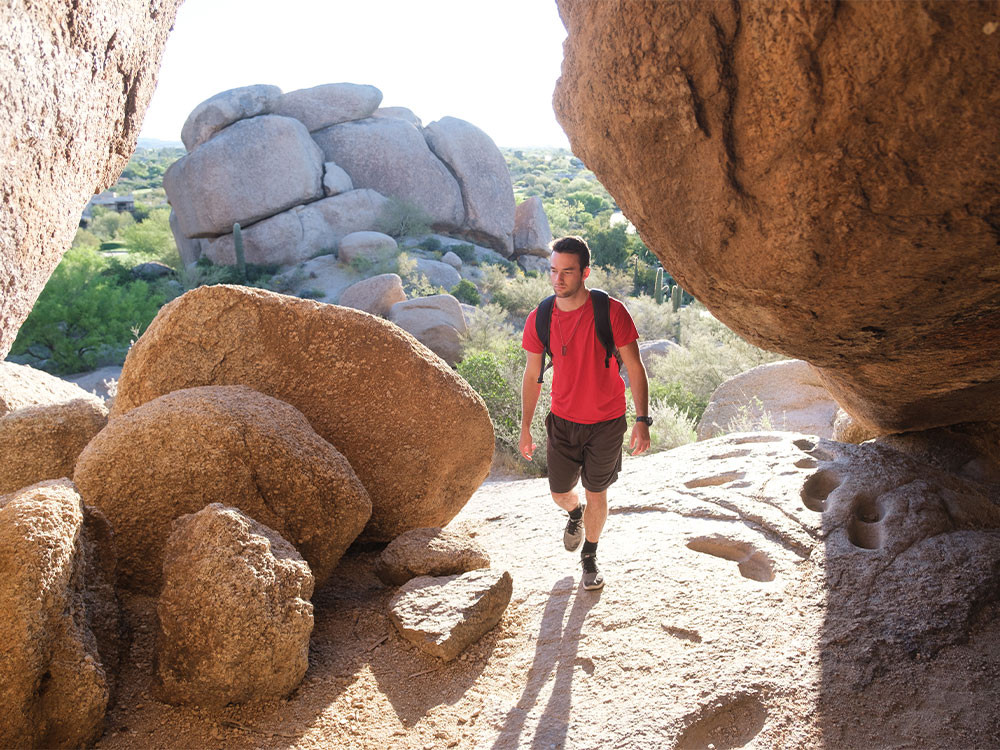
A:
x: 371, y: 246
x: 443, y: 616
x: 452, y: 260
x: 429, y: 552
x: 375, y: 295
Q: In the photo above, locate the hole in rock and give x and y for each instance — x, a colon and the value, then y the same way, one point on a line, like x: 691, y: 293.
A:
x: 807, y: 463
x: 729, y: 723
x: 817, y: 488
x: 731, y: 454
x: 804, y: 445
x: 756, y: 439
x: 712, y: 481
x: 752, y: 563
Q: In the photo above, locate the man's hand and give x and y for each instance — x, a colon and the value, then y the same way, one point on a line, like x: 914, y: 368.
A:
x: 640, y: 438
x: 527, y: 445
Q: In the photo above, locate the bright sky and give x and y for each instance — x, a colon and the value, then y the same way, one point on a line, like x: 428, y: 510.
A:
x: 491, y: 62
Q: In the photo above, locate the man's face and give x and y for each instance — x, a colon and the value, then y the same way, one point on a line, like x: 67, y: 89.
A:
x: 565, y: 274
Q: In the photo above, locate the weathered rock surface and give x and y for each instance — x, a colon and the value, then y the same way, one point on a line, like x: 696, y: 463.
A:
x: 429, y: 552
x: 391, y: 156
x: 22, y: 386
x: 532, y: 233
x: 375, y: 295
x: 325, y: 275
x: 836, y: 191
x: 234, y: 612
x: 43, y: 442
x: 177, y: 453
x: 189, y: 249
x: 225, y: 108
x: 452, y: 260
x: 368, y: 246
x: 436, y: 321
x: 789, y: 395
x: 445, y: 615
x: 301, y: 232
x: 846, y: 430
x: 335, y: 180
x: 533, y: 263
x: 329, y: 104
x: 249, y: 171
x: 398, y: 113
x: 483, y: 177
x: 75, y: 82
x: 58, y: 618
x: 418, y: 473
x: 438, y: 273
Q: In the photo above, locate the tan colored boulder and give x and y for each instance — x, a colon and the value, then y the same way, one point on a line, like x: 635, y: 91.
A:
x: 438, y: 273
x: 22, y: 386
x: 248, y: 171
x: 43, y: 442
x: 196, y: 446
x: 429, y: 552
x: 76, y: 79
x: 225, y: 108
x: 786, y: 396
x: 437, y: 322
x: 847, y: 430
x: 375, y: 295
x: 830, y: 196
x: 417, y: 435
x: 482, y: 174
x: 367, y: 246
x: 329, y: 103
x: 445, y: 615
x: 532, y: 233
x: 234, y: 614
x: 58, y: 618
x: 301, y: 232
x: 391, y: 156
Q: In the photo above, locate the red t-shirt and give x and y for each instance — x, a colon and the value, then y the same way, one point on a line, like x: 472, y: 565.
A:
x: 583, y: 390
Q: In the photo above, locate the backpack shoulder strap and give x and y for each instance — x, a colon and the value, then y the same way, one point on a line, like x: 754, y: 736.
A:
x: 602, y: 324
x: 543, y: 324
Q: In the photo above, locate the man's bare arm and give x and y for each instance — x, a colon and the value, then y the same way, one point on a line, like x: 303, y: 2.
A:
x: 639, y: 386
x: 530, y: 389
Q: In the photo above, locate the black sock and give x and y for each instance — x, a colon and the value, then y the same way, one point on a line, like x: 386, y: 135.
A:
x: 589, y: 548
x: 577, y: 514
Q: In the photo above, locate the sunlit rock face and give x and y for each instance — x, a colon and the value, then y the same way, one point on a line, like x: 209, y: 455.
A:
x: 823, y: 176
x: 75, y: 80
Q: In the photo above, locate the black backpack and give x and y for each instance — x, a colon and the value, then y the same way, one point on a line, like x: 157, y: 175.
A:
x: 602, y: 326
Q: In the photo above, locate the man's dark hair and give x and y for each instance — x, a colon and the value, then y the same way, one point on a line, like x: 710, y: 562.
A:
x: 574, y: 246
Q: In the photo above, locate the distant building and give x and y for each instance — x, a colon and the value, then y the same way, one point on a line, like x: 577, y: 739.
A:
x: 109, y: 200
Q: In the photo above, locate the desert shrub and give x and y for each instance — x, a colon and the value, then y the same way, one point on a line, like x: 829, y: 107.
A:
x: 520, y: 295
x: 750, y: 417
x: 488, y: 330
x: 672, y: 427
x: 678, y: 396
x: 206, y: 273
x: 614, y: 281
x: 312, y: 293
x: 86, y: 317
x: 85, y: 238
x: 465, y: 291
x: 431, y: 244
x: 152, y: 238
x: 653, y: 321
x: 466, y: 252
x: 403, y: 219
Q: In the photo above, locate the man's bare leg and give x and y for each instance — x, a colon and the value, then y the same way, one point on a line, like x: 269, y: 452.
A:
x: 568, y: 501
x: 595, y: 514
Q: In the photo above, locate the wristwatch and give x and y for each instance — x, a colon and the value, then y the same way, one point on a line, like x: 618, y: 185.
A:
x: 647, y: 420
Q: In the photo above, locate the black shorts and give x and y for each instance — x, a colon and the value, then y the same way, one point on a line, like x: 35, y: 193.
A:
x: 591, y: 450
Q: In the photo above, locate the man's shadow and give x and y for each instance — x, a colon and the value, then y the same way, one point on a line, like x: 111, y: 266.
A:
x: 555, y: 649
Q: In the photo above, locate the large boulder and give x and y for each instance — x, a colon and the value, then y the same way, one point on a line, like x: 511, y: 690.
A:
x: 399, y: 113
x: 391, y: 156
x: 75, y: 81
x: 367, y: 246
x: 787, y: 396
x: 445, y: 615
x: 234, y: 614
x: 436, y: 321
x: 375, y: 295
x: 248, y: 171
x: 225, y: 108
x: 532, y: 233
x: 482, y: 174
x: 341, y: 368
x: 58, y: 618
x: 22, y: 386
x: 329, y: 104
x: 192, y: 447
x: 831, y: 196
x: 438, y: 273
x: 302, y: 232
x: 43, y: 442
x: 429, y: 552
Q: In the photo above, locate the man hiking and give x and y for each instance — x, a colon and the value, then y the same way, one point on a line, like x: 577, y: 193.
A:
x: 586, y: 423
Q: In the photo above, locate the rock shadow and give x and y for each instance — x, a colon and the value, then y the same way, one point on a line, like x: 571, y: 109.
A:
x: 555, y: 651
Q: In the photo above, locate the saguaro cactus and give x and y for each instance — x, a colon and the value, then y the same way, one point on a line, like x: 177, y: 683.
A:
x: 675, y: 297
x: 658, y: 286
x: 241, y: 264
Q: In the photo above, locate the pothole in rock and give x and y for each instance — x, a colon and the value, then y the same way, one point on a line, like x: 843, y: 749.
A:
x: 752, y: 563
x: 864, y: 530
x: 725, y: 724
x: 714, y: 480
x: 817, y: 488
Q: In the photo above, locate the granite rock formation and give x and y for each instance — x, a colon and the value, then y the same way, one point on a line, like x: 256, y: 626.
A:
x: 429, y: 552
x: 75, y: 82
x: 823, y: 176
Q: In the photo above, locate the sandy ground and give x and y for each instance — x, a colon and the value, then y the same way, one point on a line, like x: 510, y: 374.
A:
x: 707, y: 634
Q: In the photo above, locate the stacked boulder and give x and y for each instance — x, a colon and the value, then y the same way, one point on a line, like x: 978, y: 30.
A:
x: 300, y: 171
x: 532, y: 235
